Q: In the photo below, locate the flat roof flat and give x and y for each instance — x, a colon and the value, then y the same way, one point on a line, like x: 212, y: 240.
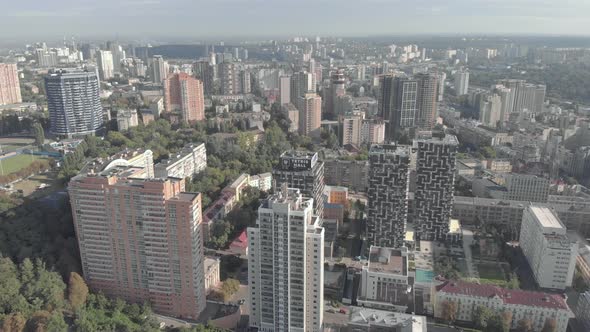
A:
x: 546, y: 217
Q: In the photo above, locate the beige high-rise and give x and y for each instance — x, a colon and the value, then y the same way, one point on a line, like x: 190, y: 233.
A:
x: 140, y: 239
x: 310, y: 115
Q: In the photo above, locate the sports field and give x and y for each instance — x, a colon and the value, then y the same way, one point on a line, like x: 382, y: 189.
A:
x: 16, y: 163
x: 9, y: 144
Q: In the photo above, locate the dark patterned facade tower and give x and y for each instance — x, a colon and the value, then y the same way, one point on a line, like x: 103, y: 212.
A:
x: 388, y: 195
x: 304, y: 171
x: 435, y: 181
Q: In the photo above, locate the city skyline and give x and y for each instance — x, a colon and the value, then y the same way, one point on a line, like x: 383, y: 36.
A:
x: 183, y: 18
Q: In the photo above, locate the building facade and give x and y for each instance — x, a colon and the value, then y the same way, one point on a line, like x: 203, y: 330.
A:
x: 353, y: 174
x: 387, y: 209
x: 461, y: 82
x: 398, y: 104
x: 191, y: 160
x: 310, y: 115
x: 551, y: 253
x: 105, y: 65
x: 160, y: 69
x: 140, y: 239
x: 304, y: 171
x: 73, y: 101
x: 384, y: 281
x: 127, y: 118
x: 435, y: 186
x: 9, y: 84
x: 583, y: 310
x: 286, y: 265
x: 184, y: 94
x: 536, y: 306
x: 524, y: 187
x: 427, y: 101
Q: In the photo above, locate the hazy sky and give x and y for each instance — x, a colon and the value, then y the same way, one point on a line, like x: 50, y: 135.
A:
x: 198, y: 18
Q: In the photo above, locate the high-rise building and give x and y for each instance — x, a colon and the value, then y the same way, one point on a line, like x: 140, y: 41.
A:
x: 337, y: 89
x: 372, y: 131
x: 442, y: 77
x: 46, y: 58
x: 229, y: 77
x: 105, y: 65
x: 184, y: 94
x: 490, y: 110
x: 301, y: 84
x: 310, y: 115
x: 73, y: 101
x: 525, y: 96
x: 118, y: 55
x: 160, y: 69
x: 506, y: 101
x: 304, y: 171
x: 245, y: 83
x: 286, y: 265
x: 206, y: 73
x: 426, y: 101
x: 140, y: 239
x: 350, y: 130
x: 285, y: 90
x: 461, y: 80
x: 435, y: 185
x: 549, y: 250
x: 398, y: 104
x: 9, y: 84
x: 387, y: 209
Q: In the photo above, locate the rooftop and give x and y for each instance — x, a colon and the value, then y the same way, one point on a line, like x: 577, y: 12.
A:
x: 508, y: 296
x: 388, y: 260
x: 546, y: 217
x: 400, y: 150
x: 368, y: 317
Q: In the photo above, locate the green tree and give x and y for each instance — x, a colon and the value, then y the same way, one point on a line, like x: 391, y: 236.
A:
x: 229, y: 288
x: 56, y: 323
x: 481, y: 316
x: 39, y: 134
x: 77, y: 291
x: 495, y: 323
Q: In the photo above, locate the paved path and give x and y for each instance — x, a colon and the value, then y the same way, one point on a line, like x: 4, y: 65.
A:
x: 467, y: 242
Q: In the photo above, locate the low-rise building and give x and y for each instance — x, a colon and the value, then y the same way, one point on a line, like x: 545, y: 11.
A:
x: 337, y: 195
x: 237, y: 187
x: 549, y: 250
x: 191, y: 160
x: 499, y: 165
x: 212, y: 278
x: 371, y: 320
x: 536, y: 306
x: 126, y: 118
x: 261, y: 181
x: 384, y: 281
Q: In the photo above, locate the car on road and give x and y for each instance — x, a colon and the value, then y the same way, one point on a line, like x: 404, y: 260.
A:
x: 332, y: 311
x: 241, y: 301
x: 343, y: 311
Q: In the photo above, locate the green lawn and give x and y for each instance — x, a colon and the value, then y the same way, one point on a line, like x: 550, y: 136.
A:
x: 16, y: 163
x: 491, y: 271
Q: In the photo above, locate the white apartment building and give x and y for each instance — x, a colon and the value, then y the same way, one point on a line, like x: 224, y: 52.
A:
x: 286, y: 265
x: 551, y: 253
x: 461, y: 82
x: 536, y: 306
x: 191, y: 160
x: 384, y: 281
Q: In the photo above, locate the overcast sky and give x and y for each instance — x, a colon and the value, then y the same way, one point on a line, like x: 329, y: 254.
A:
x: 212, y: 18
